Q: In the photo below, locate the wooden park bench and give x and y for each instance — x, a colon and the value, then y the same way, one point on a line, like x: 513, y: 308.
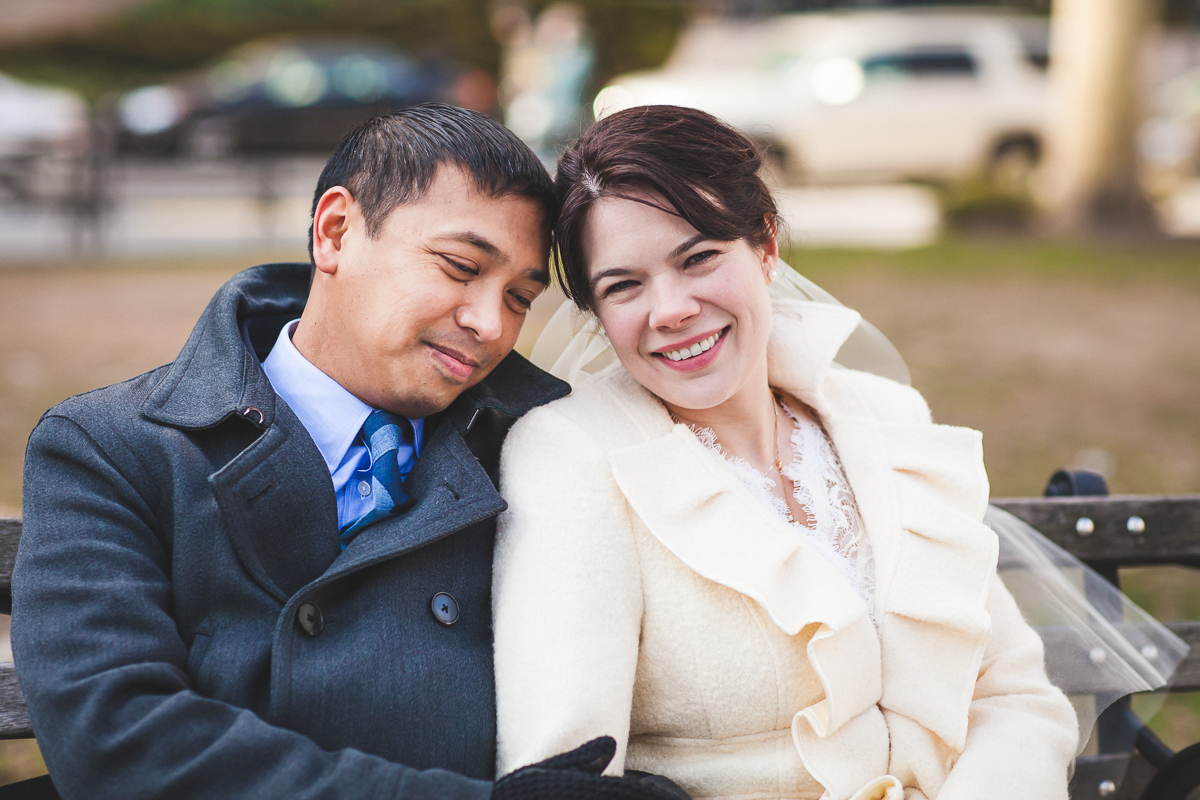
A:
x: 1106, y: 532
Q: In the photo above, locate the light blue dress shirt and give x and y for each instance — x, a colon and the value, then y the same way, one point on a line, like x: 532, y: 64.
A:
x: 333, y: 418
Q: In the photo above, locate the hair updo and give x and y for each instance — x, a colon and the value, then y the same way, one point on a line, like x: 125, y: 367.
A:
x: 705, y: 170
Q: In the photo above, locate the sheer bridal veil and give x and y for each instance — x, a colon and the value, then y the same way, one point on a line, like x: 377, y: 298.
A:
x: 1099, y: 645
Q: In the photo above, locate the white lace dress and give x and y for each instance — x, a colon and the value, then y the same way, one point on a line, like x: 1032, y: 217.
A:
x: 833, y: 527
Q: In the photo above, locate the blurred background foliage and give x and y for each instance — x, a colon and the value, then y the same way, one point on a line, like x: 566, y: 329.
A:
x: 155, y: 39
x: 150, y: 41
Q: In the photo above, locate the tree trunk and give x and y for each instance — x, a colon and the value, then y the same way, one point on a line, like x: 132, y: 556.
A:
x: 1089, y: 181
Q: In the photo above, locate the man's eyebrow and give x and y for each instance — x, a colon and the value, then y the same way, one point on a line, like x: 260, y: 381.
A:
x: 688, y: 245
x: 542, y: 275
x: 475, y: 240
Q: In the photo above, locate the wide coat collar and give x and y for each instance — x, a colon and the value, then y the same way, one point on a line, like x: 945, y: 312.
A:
x: 275, y: 495
x: 921, y: 491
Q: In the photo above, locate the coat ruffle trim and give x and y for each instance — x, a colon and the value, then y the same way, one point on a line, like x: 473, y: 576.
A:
x: 712, y: 523
x: 922, y: 504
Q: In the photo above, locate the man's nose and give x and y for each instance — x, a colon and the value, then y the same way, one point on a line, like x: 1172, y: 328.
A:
x: 482, y: 312
x: 671, y: 304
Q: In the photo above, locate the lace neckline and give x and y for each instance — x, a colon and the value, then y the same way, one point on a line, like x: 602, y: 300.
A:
x: 833, y: 527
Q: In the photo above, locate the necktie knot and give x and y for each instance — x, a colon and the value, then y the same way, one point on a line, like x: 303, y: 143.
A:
x: 383, y: 433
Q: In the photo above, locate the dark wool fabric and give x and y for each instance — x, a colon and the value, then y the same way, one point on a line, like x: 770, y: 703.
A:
x: 176, y: 523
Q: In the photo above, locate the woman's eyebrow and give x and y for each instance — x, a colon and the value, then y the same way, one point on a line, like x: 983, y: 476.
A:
x: 608, y: 273
x: 688, y: 245
x: 678, y: 251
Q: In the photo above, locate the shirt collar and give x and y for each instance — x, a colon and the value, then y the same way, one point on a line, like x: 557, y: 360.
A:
x: 330, y: 414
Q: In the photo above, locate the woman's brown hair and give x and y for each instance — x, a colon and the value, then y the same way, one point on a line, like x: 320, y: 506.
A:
x: 705, y: 170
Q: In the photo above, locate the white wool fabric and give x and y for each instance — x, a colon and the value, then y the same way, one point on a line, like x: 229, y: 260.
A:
x: 643, y: 592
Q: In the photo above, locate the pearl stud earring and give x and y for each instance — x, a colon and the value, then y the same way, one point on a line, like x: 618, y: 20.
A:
x: 773, y: 274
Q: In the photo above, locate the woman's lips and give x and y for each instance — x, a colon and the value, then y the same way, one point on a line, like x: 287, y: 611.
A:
x: 695, y: 362
x: 458, y: 365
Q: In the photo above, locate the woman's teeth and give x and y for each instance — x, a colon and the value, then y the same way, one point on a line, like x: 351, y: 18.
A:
x: 694, y: 350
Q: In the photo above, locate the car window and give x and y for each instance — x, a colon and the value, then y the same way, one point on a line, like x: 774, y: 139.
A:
x: 1039, y: 59
x: 924, y: 62
x: 1035, y: 42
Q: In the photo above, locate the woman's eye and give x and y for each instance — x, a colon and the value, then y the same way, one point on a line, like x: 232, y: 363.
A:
x: 619, y: 286
x: 523, y: 302
x: 701, y: 257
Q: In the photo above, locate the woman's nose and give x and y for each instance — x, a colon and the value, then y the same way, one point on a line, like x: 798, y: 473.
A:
x: 671, y: 304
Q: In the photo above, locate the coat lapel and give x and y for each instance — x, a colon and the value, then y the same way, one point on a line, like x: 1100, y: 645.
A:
x: 275, y: 495
x: 279, y: 508
x: 921, y: 492
x: 933, y: 621
x: 805, y: 339
x: 448, y: 489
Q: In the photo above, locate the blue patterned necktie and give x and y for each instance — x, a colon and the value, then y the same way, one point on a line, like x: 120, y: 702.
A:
x: 383, y: 434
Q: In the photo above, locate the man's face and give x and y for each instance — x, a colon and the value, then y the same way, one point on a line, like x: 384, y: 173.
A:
x: 409, y: 320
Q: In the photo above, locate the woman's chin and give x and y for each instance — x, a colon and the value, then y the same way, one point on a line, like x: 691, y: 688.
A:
x: 691, y: 401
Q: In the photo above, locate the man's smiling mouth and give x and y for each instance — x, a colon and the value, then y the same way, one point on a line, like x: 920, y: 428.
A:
x: 458, y: 364
x: 702, y: 346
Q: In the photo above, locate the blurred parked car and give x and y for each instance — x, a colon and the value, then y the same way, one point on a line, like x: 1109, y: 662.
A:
x: 280, y: 96
x: 37, y: 123
x: 866, y: 96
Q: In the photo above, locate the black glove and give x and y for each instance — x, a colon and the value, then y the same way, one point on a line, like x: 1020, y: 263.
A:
x: 576, y: 776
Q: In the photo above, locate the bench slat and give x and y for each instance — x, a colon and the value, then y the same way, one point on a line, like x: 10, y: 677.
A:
x: 1075, y: 673
x: 1171, y: 535
x: 14, y: 719
x: 10, y: 537
x: 1187, y: 676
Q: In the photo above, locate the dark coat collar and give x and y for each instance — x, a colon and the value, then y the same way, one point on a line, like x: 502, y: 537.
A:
x: 217, y: 375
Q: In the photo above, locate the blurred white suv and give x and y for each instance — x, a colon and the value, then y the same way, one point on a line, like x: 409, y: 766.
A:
x: 865, y: 95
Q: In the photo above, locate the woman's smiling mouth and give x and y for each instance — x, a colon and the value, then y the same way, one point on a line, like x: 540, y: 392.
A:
x: 694, y: 356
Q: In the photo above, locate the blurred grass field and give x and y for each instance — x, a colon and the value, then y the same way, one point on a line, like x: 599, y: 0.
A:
x: 1062, y: 354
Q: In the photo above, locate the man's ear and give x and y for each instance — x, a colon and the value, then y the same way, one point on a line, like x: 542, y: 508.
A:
x: 330, y: 224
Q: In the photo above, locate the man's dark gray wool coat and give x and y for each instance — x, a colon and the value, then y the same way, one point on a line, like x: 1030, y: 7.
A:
x: 174, y: 526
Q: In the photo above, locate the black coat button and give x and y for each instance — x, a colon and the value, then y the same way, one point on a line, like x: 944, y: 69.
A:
x: 309, y: 617
x: 444, y: 608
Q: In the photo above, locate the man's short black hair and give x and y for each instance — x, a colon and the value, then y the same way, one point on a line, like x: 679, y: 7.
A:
x: 391, y: 160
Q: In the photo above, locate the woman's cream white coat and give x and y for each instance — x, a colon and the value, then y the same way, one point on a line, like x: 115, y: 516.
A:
x: 642, y: 593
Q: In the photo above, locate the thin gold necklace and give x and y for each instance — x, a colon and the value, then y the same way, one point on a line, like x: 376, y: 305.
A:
x: 787, y: 507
